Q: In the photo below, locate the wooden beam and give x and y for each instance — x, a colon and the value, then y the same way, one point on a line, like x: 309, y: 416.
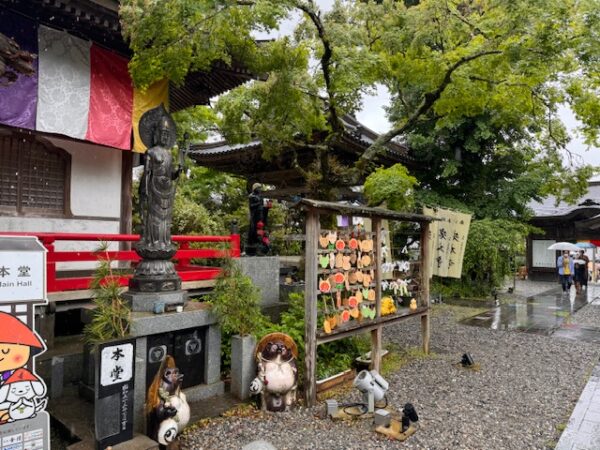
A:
x: 310, y: 308
x: 126, y: 224
x: 376, y: 334
x: 425, y: 277
x: 353, y: 330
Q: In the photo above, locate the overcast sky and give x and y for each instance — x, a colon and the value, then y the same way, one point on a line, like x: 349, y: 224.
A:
x: 373, y: 115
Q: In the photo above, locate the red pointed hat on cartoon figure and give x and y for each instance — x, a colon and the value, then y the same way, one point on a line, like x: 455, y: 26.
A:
x: 21, y: 375
x: 13, y: 331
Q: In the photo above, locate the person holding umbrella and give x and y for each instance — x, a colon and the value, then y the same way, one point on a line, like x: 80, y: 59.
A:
x: 581, y: 271
x: 566, y: 269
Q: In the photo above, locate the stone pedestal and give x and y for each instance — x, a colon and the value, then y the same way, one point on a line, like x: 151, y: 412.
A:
x: 194, y: 315
x: 243, y: 365
x: 264, y: 272
x: 144, y: 301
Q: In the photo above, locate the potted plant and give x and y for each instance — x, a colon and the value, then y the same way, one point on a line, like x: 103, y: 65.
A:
x: 235, y: 301
x: 110, y: 318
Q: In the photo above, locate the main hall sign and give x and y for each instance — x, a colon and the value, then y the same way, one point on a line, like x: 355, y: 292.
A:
x: 22, y: 269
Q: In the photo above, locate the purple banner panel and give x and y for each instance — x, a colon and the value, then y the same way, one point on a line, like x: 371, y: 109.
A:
x: 18, y: 100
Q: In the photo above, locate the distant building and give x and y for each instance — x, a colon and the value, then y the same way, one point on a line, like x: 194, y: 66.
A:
x: 561, y: 223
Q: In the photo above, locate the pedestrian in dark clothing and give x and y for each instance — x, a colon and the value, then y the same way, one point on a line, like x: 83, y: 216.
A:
x: 581, y: 271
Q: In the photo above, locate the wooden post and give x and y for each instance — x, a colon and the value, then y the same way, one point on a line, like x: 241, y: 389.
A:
x: 425, y: 276
x: 376, y: 334
x: 594, y: 274
x: 310, y: 307
x: 125, y: 225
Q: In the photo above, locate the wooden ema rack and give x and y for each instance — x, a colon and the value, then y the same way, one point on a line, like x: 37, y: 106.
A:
x: 314, y: 209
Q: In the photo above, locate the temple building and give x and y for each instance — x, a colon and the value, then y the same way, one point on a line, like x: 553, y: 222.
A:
x: 67, y: 131
x: 246, y: 160
x: 561, y: 222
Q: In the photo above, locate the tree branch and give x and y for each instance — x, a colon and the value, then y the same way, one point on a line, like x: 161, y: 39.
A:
x: 297, y: 166
x: 426, y: 104
x: 326, y: 62
x: 464, y: 20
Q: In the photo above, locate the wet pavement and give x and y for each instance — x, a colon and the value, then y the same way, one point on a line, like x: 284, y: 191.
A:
x: 547, y: 313
x: 550, y: 313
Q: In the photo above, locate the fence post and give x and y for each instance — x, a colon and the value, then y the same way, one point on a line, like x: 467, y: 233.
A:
x: 50, y: 264
x: 182, y: 263
x: 234, y: 249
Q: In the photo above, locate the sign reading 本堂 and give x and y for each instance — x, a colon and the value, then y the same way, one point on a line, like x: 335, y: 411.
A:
x: 114, y: 392
x: 22, y: 269
x: 447, y: 241
x: 116, y: 365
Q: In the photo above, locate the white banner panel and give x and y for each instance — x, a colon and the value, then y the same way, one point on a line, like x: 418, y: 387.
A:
x: 541, y: 256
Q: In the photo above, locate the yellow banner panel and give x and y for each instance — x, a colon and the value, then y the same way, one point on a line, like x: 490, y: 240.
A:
x: 144, y: 101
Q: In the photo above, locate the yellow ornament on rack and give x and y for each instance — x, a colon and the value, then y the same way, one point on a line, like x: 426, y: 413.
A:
x: 387, y: 306
x: 413, y: 305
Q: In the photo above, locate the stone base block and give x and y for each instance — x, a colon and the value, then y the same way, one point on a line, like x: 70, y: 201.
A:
x: 195, y: 314
x: 202, y: 391
x: 264, y: 272
x: 144, y: 301
x: 243, y: 365
x: 139, y: 442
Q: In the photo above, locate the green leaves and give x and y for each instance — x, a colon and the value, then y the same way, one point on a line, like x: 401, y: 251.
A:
x: 475, y: 86
x: 111, y: 316
x: 235, y: 301
x: 490, y: 246
x: 393, y: 185
x: 171, y: 37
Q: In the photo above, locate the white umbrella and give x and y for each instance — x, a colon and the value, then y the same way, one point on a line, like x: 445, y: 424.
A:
x: 564, y: 246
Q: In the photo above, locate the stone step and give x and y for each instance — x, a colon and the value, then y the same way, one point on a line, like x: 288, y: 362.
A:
x: 139, y: 442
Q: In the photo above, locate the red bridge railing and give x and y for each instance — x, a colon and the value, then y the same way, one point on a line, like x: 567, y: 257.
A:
x: 182, y: 259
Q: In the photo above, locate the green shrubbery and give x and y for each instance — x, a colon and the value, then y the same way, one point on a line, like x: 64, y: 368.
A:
x: 111, y: 316
x: 492, y: 246
x: 333, y: 357
x: 235, y: 300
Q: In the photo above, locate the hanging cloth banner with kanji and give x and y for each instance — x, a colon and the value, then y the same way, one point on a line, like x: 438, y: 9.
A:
x: 448, y: 239
x: 79, y: 89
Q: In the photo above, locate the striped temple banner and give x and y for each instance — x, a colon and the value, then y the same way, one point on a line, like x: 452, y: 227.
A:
x: 79, y: 89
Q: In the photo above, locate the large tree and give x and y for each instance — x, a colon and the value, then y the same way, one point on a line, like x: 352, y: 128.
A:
x: 475, y: 85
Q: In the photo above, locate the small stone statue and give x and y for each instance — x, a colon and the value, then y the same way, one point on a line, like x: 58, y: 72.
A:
x: 167, y: 409
x: 277, y: 378
x: 156, y: 273
x: 258, y: 238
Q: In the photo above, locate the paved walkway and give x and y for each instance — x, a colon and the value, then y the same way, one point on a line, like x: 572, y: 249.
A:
x: 583, y: 429
x: 537, y: 309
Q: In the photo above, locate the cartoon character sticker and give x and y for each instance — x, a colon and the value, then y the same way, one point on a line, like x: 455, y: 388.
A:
x: 22, y: 394
x: 21, y: 391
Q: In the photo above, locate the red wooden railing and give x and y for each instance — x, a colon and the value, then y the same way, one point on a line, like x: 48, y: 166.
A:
x: 186, y: 270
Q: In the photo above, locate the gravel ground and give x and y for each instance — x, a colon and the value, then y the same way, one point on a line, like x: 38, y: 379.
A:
x: 588, y: 316
x: 527, y: 386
